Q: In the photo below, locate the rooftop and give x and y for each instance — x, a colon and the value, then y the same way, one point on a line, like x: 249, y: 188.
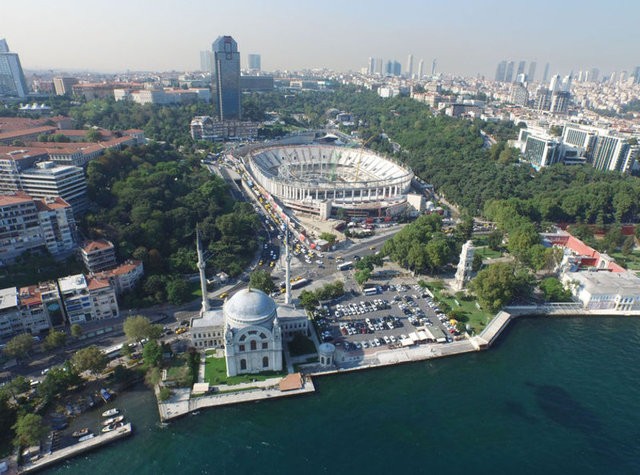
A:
x: 8, y: 298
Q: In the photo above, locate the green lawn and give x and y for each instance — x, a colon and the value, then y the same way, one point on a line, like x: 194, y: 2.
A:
x: 631, y: 262
x: 215, y: 372
x: 487, y: 253
x: 475, y: 317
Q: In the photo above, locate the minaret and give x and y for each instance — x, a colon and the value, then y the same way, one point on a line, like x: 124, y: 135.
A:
x: 203, y: 277
x: 287, y: 258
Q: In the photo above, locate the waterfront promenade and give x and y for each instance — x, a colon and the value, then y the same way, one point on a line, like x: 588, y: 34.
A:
x: 181, y: 402
x: 76, y: 449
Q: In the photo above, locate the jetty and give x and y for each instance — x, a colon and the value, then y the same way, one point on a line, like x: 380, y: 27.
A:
x: 95, y: 442
x: 182, y: 402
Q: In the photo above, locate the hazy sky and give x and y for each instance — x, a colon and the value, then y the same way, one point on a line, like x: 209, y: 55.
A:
x: 466, y: 36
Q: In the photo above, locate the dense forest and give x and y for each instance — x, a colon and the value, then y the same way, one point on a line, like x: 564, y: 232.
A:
x: 148, y: 201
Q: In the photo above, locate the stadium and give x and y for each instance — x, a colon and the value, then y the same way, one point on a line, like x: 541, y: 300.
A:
x: 330, y: 180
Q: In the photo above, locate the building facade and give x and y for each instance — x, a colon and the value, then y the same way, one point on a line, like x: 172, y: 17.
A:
x: 98, y: 255
x: 12, y: 81
x: 226, y: 79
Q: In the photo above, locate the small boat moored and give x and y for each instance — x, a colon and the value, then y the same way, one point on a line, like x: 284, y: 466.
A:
x: 112, y: 420
x: 111, y: 412
x: 112, y: 427
x: 81, y: 432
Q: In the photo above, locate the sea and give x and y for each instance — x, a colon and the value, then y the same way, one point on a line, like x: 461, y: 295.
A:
x: 553, y: 396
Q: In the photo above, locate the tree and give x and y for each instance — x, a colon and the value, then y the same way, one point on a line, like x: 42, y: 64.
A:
x: 261, y: 279
x: 152, y: 354
x: 178, y: 291
x: 55, y: 339
x: 90, y: 359
x: 362, y: 276
x: 554, y: 291
x: 19, y: 346
x: 496, y: 285
x: 464, y: 229
x: 29, y: 430
x: 138, y: 327
x: 476, y: 265
x: 93, y: 135
x: 76, y: 330
x: 494, y: 239
x: 522, y: 240
x: 329, y: 237
x: 308, y: 300
x: 628, y: 245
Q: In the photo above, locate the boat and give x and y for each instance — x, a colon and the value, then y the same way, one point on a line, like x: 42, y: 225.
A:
x: 112, y: 427
x: 86, y: 437
x: 81, y: 433
x: 112, y: 420
x: 110, y: 412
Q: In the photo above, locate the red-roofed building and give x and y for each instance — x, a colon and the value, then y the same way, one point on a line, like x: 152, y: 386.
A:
x: 98, y: 255
x: 124, y: 277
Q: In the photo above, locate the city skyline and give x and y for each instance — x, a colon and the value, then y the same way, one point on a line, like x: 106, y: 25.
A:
x: 467, y: 37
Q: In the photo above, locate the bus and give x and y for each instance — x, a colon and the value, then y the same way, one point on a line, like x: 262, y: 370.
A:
x: 113, y: 352
x: 370, y: 291
x: 300, y: 283
x: 345, y: 265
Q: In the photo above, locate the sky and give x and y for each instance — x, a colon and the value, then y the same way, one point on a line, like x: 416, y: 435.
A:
x: 468, y: 37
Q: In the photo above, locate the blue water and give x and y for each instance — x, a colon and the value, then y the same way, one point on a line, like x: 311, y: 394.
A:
x: 555, y: 396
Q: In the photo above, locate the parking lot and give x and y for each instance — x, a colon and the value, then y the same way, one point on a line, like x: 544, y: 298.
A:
x: 398, y: 316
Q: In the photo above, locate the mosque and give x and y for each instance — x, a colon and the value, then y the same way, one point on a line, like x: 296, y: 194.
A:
x: 250, y: 327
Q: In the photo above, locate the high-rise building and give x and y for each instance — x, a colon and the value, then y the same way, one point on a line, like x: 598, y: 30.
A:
x: 206, y: 61
x: 500, y: 71
x: 508, y: 75
x: 545, y: 75
x: 636, y: 75
x: 226, y: 79
x: 379, y: 66
x: 421, y: 69
x: 371, y: 68
x: 12, y: 81
x: 254, y: 62
x: 63, y: 86
x: 521, y: 66
x: 594, y: 75
x: 433, y: 67
x: 614, y: 154
x: 532, y: 71
x: 397, y: 68
x: 410, y: 66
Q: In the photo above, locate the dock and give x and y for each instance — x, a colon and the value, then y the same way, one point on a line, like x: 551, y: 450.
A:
x: 182, y: 403
x: 58, y: 456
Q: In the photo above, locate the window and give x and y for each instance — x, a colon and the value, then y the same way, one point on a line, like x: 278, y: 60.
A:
x: 263, y: 336
x: 265, y: 345
x: 241, y: 348
x: 243, y: 337
x: 253, y: 345
x: 265, y: 362
x: 243, y: 364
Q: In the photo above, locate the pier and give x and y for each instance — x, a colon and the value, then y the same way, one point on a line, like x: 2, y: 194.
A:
x: 181, y: 403
x: 95, y: 442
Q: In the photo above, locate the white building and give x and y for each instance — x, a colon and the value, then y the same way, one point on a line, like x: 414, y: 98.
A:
x: 87, y: 299
x: 603, y: 290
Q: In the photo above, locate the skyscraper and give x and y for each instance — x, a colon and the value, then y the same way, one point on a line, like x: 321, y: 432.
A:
x: 508, y: 75
x: 254, y: 62
x: 532, y: 71
x: 500, y: 71
x: 636, y: 75
x: 433, y: 67
x: 206, y: 61
x: 226, y: 79
x: 421, y: 69
x: 371, y: 69
x: 545, y: 75
x: 521, y: 66
x: 12, y: 81
x: 410, y: 66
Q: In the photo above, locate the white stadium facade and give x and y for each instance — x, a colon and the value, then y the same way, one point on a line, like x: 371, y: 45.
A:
x: 322, y: 179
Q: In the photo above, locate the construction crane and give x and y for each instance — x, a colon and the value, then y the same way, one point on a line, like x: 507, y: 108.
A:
x: 360, y: 156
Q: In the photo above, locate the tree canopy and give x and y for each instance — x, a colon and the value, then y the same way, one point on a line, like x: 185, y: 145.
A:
x: 90, y: 359
x: 261, y: 279
x: 499, y: 283
x: 29, y: 430
x: 139, y: 327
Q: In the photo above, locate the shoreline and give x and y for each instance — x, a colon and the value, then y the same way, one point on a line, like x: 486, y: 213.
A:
x: 416, y: 353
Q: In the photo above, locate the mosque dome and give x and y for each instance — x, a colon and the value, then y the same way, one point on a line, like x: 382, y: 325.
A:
x: 250, y: 307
